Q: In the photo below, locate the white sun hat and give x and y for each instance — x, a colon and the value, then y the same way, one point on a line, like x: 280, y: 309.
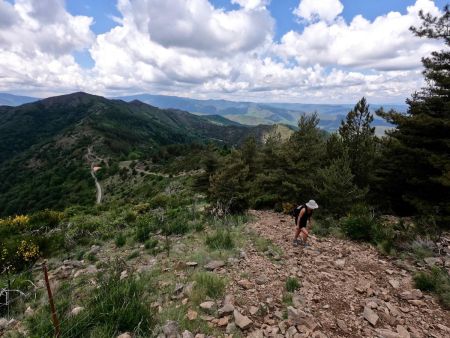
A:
x: 312, y: 204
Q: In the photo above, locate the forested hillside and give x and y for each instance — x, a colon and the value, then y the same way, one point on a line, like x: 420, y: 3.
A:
x: 43, y: 145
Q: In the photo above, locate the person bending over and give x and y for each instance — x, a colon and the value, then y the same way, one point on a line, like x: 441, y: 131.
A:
x: 303, y: 214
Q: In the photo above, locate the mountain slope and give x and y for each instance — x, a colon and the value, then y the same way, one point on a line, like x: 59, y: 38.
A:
x: 44, y: 145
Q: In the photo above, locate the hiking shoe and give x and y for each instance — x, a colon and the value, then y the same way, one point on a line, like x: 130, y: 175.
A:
x: 306, y: 245
x: 296, y: 242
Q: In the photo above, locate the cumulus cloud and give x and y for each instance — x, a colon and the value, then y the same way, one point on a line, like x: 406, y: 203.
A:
x: 36, y: 42
x: 198, y: 26
x: 191, y: 48
x: 383, y: 44
x: 314, y: 10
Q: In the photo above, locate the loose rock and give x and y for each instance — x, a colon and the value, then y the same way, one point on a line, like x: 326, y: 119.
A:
x: 213, y: 265
x: 241, y: 321
x: 370, y: 316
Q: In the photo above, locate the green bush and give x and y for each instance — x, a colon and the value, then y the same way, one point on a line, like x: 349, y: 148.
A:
x: 49, y: 218
x: 323, y: 227
x: 130, y: 217
x: 120, y: 240
x: 175, y: 228
x: 292, y: 284
x: 220, y: 239
x: 159, y: 201
x: 198, y: 226
x: 142, y: 233
x: 151, y: 243
x: 359, y: 223
x: 436, y: 281
x: 422, y: 248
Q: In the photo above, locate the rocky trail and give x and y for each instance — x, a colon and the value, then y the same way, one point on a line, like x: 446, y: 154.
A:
x: 347, y: 290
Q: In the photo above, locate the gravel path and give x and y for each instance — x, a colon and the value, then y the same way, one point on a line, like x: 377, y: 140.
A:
x: 344, y: 285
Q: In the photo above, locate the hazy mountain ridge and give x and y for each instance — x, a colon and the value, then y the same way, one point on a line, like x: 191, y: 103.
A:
x: 247, y: 113
x: 251, y: 113
x: 15, y: 100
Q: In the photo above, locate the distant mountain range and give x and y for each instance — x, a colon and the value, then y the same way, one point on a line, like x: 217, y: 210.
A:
x: 250, y: 113
x: 15, y: 100
x: 247, y: 113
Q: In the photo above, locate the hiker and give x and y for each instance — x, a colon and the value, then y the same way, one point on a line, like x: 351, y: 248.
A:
x: 302, y: 215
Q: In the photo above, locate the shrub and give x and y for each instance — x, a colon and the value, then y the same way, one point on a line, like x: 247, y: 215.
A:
x: 221, y: 239
x: 120, y: 240
x: 324, y: 226
x: 422, y: 248
x: 159, y: 201
x: 207, y: 284
x: 49, y: 218
x: 151, y: 243
x: 130, y: 217
x: 359, y: 223
x: 292, y: 284
x: 437, y: 281
x: 142, y: 233
x: 198, y: 226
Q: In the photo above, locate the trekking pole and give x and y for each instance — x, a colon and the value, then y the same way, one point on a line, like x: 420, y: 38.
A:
x: 52, y: 304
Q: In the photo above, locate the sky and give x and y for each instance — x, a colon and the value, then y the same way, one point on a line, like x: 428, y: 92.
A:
x: 309, y: 51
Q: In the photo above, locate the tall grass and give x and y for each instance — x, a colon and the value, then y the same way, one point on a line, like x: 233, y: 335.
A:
x: 114, y: 307
x: 220, y: 239
x: 207, y: 285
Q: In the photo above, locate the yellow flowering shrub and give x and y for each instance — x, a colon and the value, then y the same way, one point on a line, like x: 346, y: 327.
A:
x: 28, y: 251
x: 20, y: 221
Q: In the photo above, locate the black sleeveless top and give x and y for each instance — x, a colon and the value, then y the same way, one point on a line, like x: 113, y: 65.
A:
x: 304, y: 218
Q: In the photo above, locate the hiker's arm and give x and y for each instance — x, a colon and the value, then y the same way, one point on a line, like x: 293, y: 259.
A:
x: 310, y: 223
x: 300, y: 216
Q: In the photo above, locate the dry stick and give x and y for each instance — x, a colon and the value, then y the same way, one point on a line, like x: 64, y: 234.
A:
x: 52, y: 305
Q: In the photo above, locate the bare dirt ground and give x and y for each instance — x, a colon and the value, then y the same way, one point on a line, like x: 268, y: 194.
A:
x: 343, y: 285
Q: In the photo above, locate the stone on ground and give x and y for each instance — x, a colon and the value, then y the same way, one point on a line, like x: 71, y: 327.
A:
x: 370, y: 316
x: 170, y: 329
x: 213, y: 265
x: 243, y: 322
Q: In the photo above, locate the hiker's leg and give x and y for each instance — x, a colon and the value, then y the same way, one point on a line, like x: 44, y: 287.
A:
x: 304, y: 234
x: 297, y: 233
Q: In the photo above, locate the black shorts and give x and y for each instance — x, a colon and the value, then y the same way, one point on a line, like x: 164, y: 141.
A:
x: 300, y: 225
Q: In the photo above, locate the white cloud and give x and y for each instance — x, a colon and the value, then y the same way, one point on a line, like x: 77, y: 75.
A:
x: 313, y: 10
x: 251, y: 4
x: 383, y: 44
x: 191, y: 48
x: 198, y: 26
x: 36, y: 45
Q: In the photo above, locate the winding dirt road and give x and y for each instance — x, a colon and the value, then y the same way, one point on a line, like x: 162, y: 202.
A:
x: 93, y: 158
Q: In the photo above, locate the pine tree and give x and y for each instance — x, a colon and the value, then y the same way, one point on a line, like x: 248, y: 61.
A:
x: 416, y: 165
x: 359, y: 139
x: 335, y: 189
x: 267, y: 187
x: 229, y: 184
x: 303, y: 155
